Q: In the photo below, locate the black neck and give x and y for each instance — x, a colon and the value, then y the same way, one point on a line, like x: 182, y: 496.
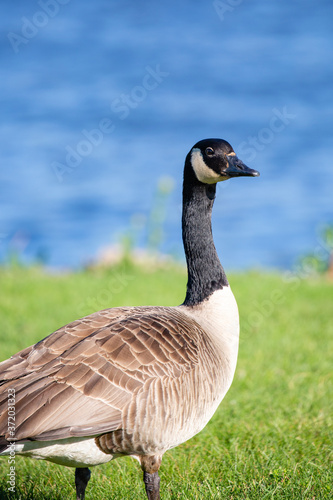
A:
x: 205, y: 273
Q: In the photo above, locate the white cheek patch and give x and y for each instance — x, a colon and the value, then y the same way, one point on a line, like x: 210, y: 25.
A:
x: 203, y: 173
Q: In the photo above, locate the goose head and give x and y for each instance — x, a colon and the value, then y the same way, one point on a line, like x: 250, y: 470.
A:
x: 214, y: 160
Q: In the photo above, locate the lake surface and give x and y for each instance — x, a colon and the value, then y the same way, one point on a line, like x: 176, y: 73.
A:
x: 100, y: 100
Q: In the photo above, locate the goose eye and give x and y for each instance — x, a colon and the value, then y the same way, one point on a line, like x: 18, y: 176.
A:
x: 209, y: 151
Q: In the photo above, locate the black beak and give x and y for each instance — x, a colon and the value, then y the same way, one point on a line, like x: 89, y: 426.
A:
x: 236, y: 168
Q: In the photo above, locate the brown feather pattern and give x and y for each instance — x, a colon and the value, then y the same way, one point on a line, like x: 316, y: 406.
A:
x: 99, y: 374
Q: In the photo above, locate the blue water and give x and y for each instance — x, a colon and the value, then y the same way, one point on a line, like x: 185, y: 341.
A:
x: 154, y: 78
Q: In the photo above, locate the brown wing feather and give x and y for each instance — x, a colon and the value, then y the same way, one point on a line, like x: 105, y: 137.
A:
x: 82, y: 379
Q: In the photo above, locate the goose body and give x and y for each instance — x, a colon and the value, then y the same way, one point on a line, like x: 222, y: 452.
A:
x: 134, y: 380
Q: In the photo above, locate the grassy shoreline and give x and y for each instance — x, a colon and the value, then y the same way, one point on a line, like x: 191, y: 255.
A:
x: 272, y: 435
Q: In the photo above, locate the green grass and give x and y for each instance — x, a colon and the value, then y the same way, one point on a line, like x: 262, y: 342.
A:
x: 271, y: 438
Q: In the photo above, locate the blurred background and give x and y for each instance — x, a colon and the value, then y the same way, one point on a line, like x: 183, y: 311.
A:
x: 101, y: 101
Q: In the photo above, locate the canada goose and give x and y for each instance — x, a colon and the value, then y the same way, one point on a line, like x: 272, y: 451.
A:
x: 134, y: 380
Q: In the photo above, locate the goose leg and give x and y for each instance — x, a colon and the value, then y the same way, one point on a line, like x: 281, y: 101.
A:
x: 82, y: 476
x: 152, y: 484
x: 150, y: 466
